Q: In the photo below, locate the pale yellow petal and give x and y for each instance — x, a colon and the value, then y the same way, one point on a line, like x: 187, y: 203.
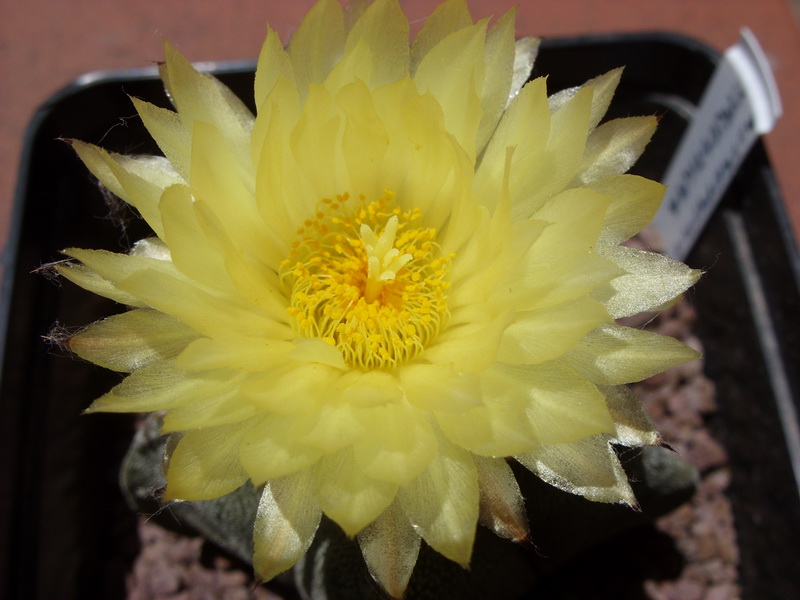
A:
x: 279, y: 110
x: 192, y: 252
x: 209, y: 406
x: 440, y: 387
x: 349, y: 496
x: 286, y: 521
x: 290, y: 389
x: 250, y: 354
x: 398, y: 444
x: 442, y: 503
x: 95, y: 283
x: 423, y: 166
x: 632, y: 423
x: 131, y: 340
x: 541, y: 335
x: 499, y: 429
x: 156, y: 387
x: 140, y: 181
x: 357, y: 64
x: 615, y: 146
x: 589, y: 468
x: 502, y: 507
x: 217, y: 180
x: 613, y: 355
x: 634, y: 203
x: 330, y: 429
x: 167, y: 129
x: 278, y: 173
x: 457, y: 87
x: 316, y: 350
x: 199, y: 97
x: 317, y: 44
x: 472, y: 347
x: 603, y: 88
x: 364, y: 142
x: 525, y: 127
x: 316, y: 140
x: 499, y: 70
x: 652, y: 281
x: 560, y: 405
x: 384, y: 28
x: 270, y: 449
x: 554, y: 272
x: 556, y: 168
x: 390, y: 547
x: 447, y: 18
x: 205, y: 464
x: 115, y: 267
x: 273, y: 62
x: 205, y: 313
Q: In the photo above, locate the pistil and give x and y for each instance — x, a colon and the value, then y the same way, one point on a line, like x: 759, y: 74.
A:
x: 383, y: 259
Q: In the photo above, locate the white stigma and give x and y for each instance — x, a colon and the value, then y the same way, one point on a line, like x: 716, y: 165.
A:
x: 383, y: 259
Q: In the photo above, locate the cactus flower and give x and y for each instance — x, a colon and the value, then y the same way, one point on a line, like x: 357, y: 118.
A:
x: 404, y: 271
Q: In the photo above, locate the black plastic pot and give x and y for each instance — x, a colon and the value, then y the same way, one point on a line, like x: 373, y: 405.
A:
x: 65, y: 531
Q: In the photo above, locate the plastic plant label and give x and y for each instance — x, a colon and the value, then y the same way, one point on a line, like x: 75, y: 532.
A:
x: 740, y: 103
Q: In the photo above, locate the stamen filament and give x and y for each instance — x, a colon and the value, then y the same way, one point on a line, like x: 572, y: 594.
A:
x: 380, y: 299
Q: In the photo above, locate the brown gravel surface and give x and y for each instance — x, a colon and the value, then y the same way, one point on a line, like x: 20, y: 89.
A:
x: 681, y: 401
x: 690, y: 554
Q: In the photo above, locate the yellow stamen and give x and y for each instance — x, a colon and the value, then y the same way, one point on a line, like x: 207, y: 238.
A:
x: 378, y: 297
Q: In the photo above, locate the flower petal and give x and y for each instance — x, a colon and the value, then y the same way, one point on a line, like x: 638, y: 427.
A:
x: 439, y: 387
x: 457, y: 89
x: 502, y: 507
x: 556, y: 168
x: 447, y: 18
x: 205, y: 464
x: 349, y: 496
x: 634, y: 202
x: 317, y: 44
x: 653, y: 281
x: 384, y: 28
x: 524, y: 126
x: 631, y: 421
x: 615, y: 146
x: 273, y: 63
x: 131, y: 340
x: 442, y: 503
x: 199, y: 97
x: 158, y: 386
x: 271, y: 450
x: 139, y: 181
x: 209, y: 406
x: 612, y: 355
x: 390, y: 547
x: 289, y: 389
x: 90, y: 280
x: 589, y: 468
x: 561, y: 406
x: 286, y: 521
x: 167, y: 129
x: 398, y: 444
x: 499, y: 69
x: 541, y: 335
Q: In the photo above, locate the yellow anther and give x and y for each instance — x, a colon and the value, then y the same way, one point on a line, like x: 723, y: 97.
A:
x: 366, y: 280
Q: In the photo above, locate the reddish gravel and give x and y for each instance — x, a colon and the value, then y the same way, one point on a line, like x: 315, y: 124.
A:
x: 681, y: 401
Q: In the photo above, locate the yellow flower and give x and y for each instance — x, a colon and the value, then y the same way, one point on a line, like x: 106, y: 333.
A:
x: 404, y: 270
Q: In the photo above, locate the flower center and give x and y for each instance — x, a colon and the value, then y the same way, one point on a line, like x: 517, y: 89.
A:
x: 367, y: 279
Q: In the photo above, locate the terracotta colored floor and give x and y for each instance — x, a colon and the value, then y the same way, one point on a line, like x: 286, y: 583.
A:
x: 46, y: 44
